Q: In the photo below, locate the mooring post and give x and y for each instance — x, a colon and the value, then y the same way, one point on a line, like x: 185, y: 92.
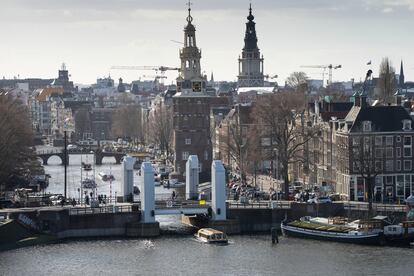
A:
x: 275, y: 238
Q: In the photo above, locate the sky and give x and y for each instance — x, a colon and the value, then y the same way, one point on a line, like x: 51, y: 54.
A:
x: 92, y: 35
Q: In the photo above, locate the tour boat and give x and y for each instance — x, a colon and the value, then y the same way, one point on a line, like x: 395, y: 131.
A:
x: 86, y: 166
x: 368, y: 232
x: 106, y: 177
x: 209, y: 235
x: 88, y: 183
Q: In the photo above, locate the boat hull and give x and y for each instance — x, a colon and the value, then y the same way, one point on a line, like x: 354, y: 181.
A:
x: 368, y: 239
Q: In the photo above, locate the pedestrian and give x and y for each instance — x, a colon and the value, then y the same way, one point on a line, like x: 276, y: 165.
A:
x: 173, y: 195
x: 73, y: 202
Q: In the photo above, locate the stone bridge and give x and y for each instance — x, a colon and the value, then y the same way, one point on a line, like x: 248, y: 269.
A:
x: 99, y: 155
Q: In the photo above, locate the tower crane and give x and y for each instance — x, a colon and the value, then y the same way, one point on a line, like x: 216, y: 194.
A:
x: 324, y: 67
x: 162, y: 69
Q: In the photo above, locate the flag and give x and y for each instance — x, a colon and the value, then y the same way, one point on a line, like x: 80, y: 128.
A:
x: 369, y: 63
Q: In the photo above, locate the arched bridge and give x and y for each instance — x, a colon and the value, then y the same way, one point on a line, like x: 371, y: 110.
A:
x: 99, y: 155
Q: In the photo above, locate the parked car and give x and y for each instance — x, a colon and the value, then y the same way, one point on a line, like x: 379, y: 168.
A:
x: 323, y: 199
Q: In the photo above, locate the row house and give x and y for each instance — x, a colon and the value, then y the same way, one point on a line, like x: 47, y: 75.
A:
x: 376, y: 141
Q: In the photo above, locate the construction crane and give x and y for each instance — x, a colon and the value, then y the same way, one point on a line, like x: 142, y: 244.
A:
x: 324, y: 67
x: 161, y: 69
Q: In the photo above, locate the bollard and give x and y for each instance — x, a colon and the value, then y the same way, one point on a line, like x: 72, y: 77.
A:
x: 275, y: 238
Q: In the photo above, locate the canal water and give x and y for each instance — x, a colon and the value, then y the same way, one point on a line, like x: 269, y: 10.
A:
x: 56, y: 171
x: 176, y: 252
x: 183, y: 255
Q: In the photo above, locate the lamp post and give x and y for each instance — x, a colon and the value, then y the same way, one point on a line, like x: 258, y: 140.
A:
x: 65, y: 162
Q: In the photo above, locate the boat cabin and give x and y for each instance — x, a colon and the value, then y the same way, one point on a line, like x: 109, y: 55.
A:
x: 210, y: 235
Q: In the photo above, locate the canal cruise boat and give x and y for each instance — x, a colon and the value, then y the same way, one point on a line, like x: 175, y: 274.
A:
x: 209, y: 235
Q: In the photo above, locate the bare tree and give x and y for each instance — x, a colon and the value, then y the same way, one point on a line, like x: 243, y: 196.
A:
x: 298, y: 81
x: 282, y: 118
x: 17, y: 158
x: 126, y: 122
x: 387, y: 82
x: 160, y: 128
x: 235, y: 142
x: 365, y: 164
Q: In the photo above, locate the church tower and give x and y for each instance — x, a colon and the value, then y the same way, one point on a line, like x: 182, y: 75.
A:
x: 250, y: 63
x: 190, y: 80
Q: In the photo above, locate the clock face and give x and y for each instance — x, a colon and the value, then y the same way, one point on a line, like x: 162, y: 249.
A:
x: 197, y: 86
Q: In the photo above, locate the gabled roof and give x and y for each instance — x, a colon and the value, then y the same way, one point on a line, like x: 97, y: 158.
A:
x: 383, y: 118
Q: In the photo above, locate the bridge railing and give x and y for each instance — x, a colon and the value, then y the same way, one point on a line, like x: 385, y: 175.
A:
x: 279, y: 204
x: 104, y: 209
x: 379, y: 207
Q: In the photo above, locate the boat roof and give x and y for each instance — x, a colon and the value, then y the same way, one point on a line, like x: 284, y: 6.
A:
x: 210, y: 231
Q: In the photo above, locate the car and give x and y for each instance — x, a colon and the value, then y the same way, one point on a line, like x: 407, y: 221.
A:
x: 323, y: 199
x: 72, y: 147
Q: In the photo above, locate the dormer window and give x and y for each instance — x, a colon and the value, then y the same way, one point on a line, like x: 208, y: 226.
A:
x: 407, y: 125
x: 366, y: 126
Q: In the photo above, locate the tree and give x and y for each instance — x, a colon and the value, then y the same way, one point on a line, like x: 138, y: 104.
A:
x: 126, y: 122
x: 235, y: 142
x: 17, y: 158
x: 160, y: 128
x: 282, y: 118
x: 357, y: 154
x: 387, y: 82
x: 298, y: 81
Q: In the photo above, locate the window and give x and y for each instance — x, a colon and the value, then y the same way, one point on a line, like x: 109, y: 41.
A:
x: 389, y: 152
x: 398, y: 152
x: 389, y: 180
x: 389, y: 140
x: 406, y: 124
x: 398, y: 165
x: 379, y: 153
x: 407, y: 152
x: 407, y: 141
x: 407, y: 165
x: 366, y: 125
x: 355, y: 141
x: 356, y: 166
x: 378, y: 166
x: 378, y: 140
x: 188, y: 141
x: 398, y: 139
x: 185, y: 155
x: 265, y: 141
x: 389, y: 165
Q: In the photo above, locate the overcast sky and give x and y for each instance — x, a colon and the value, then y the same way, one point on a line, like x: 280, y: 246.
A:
x: 91, y: 35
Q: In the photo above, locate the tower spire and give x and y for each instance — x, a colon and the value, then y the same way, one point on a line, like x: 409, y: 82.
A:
x: 250, y: 17
x: 251, y: 62
x: 189, y: 17
x: 401, y: 79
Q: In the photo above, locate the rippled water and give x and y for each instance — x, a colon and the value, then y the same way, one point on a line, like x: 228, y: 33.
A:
x: 183, y: 255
